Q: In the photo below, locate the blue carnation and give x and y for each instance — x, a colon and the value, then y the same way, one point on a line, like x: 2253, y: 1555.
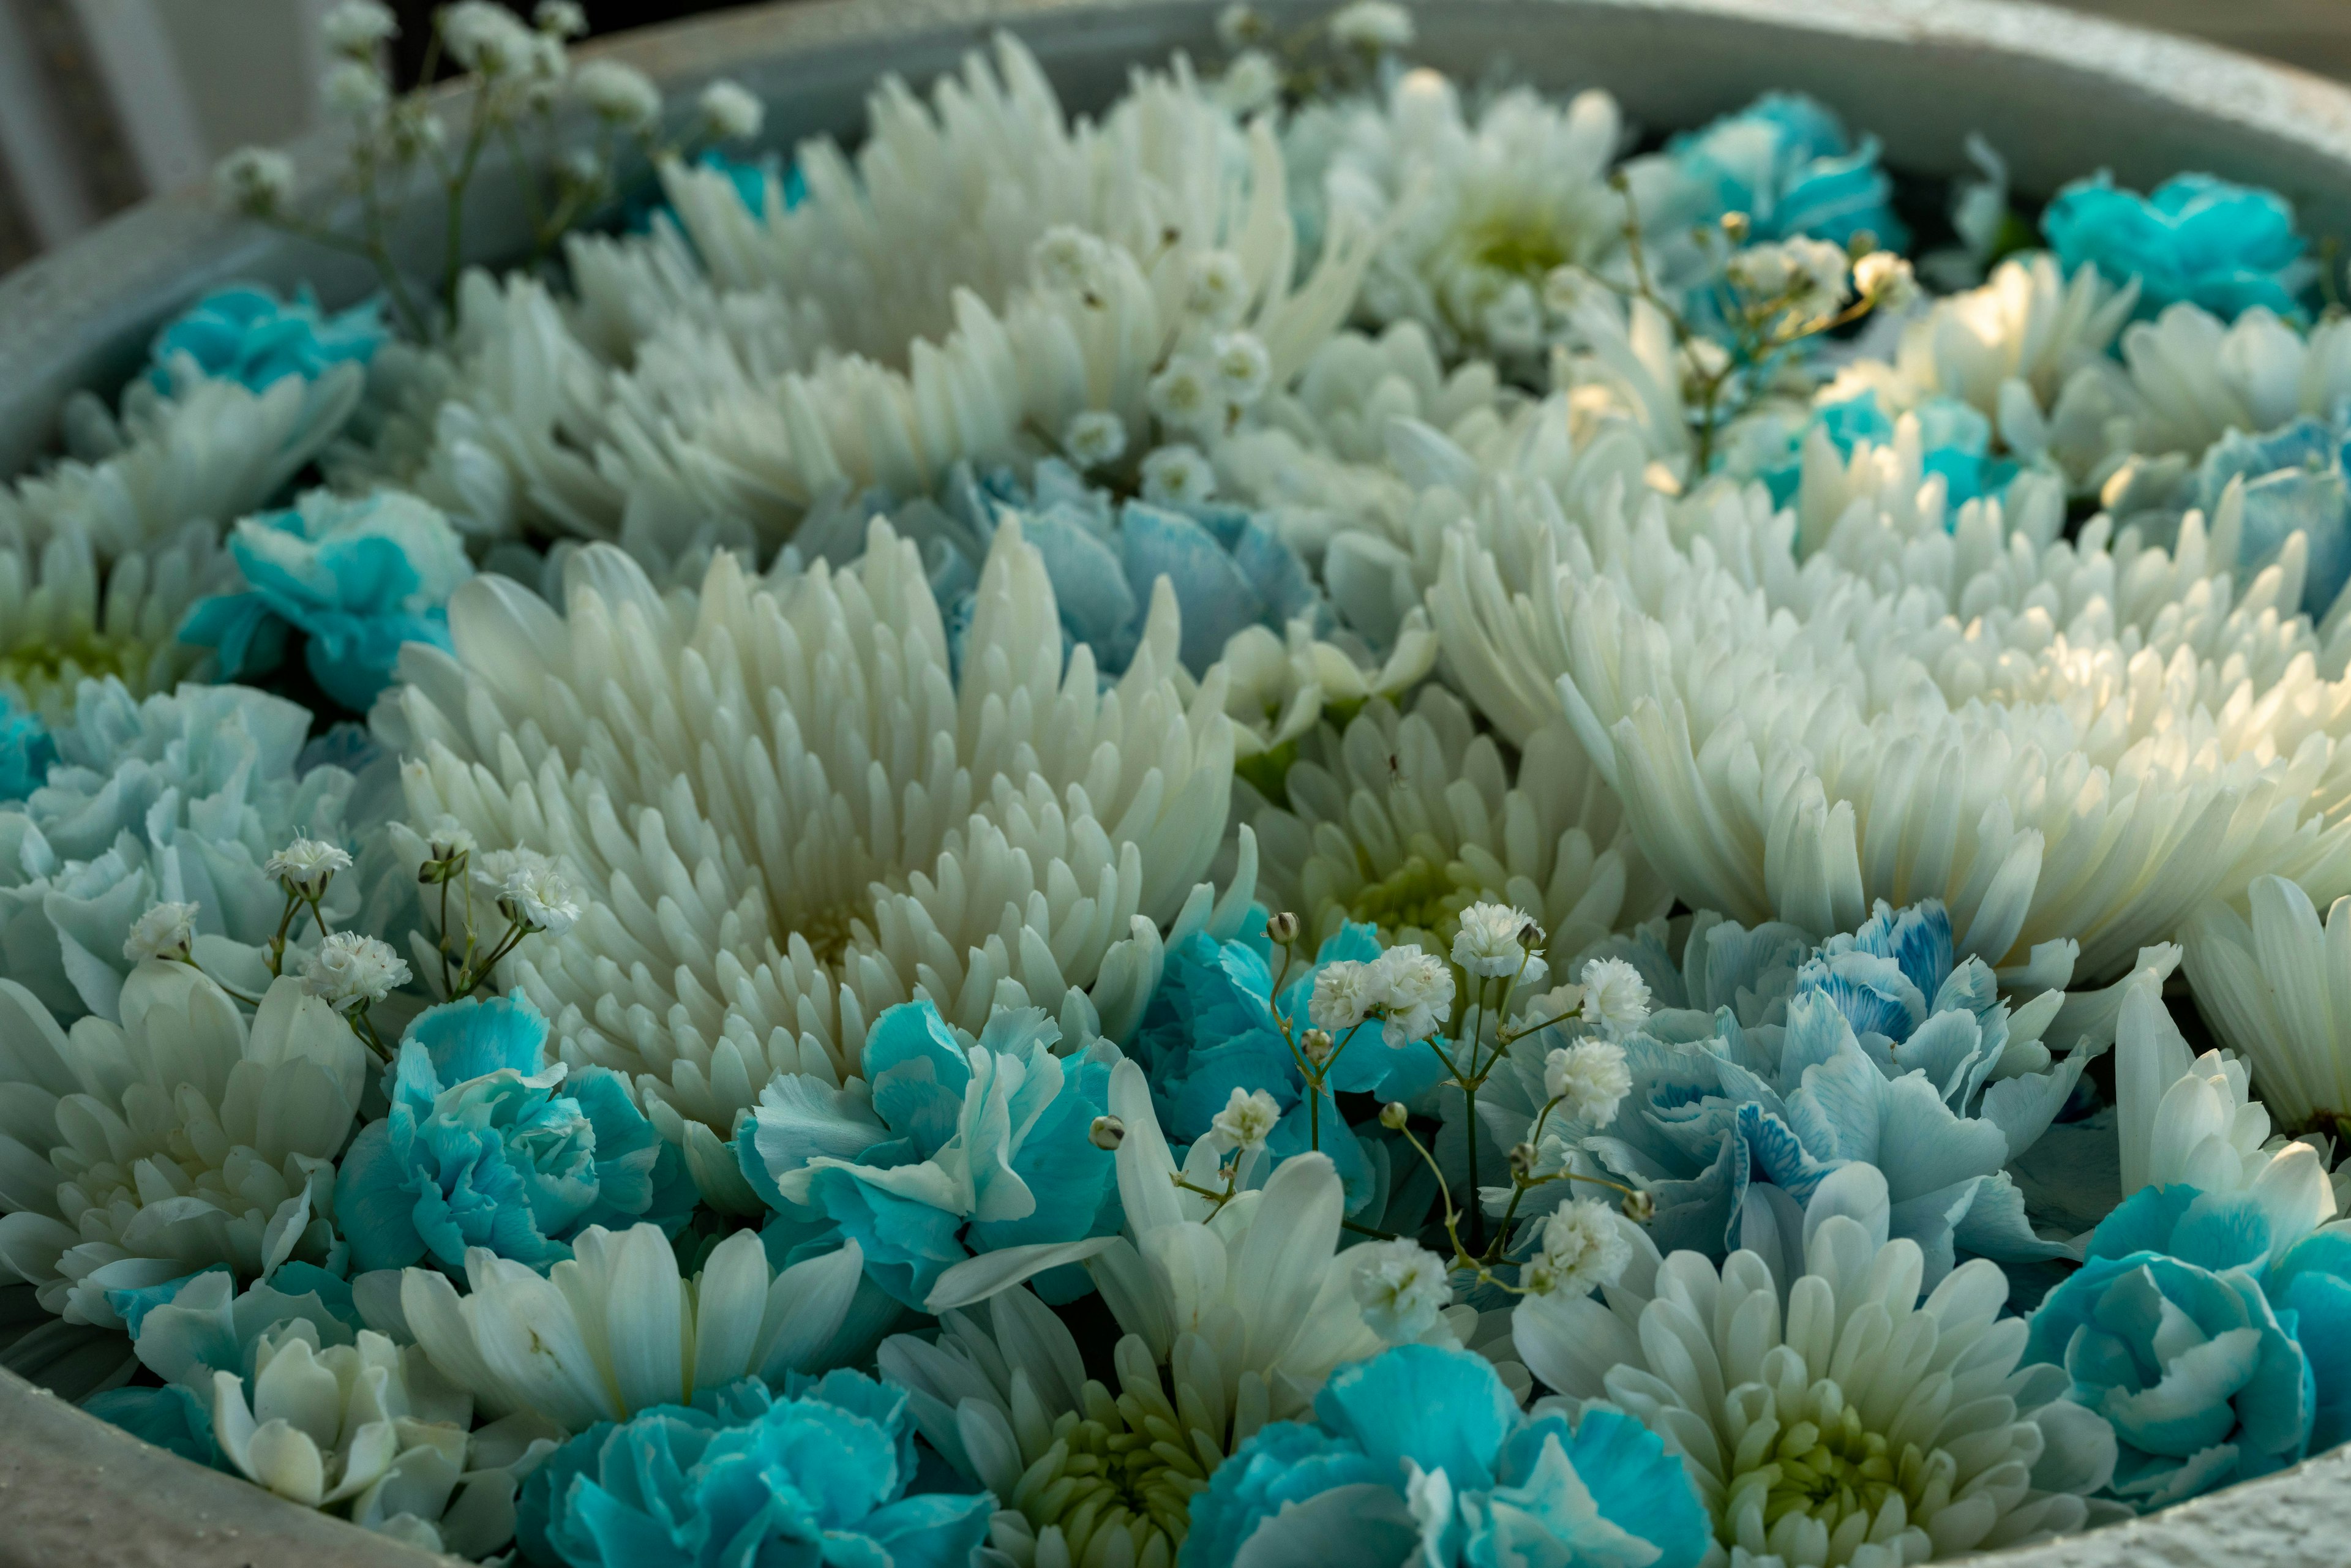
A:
x: 1209, y: 1030
x: 2215, y: 1361
x: 357, y: 578
x: 247, y: 334
x: 947, y: 1147
x: 2295, y: 483
x: 1786, y: 163
x: 2197, y: 239
x: 484, y: 1148
x: 26, y: 750
x: 1421, y: 1454
x: 819, y: 1475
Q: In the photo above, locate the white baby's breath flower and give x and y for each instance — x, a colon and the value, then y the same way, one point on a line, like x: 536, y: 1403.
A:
x: 731, y: 112
x: 1885, y: 278
x: 1188, y: 394
x: 1070, y: 261
x: 1614, y: 995
x: 1244, y: 367
x: 255, y: 180
x: 353, y: 89
x: 1415, y: 991
x: 1489, y: 941
x: 1178, y: 475
x: 1239, y: 26
x: 1371, y: 25
x: 532, y: 890
x: 1248, y: 1119
x: 481, y: 36
x: 1823, y: 270
x: 1401, y: 1287
x: 358, y: 26
x: 620, y: 93
x: 1589, y: 1079
x: 166, y: 931
x: 349, y: 970
x: 1094, y: 437
x: 1220, y: 287
x: 561, y: 18
x: 445, y: 837
x: 307, y: 863
x: 1344, y: 994
x: 1251, y: 82
x: 1582, y: 1247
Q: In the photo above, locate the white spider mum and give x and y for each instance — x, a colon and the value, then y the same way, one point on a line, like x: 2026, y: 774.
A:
x: 1829, y: 1416
x: 781, y: 814
x: 175, y: 1140
x: 1407, y: 820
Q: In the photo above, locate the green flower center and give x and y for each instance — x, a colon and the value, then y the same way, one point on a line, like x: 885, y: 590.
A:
x: 1418, y: 895
x: 1831, y: 1469
x: 47, y: 673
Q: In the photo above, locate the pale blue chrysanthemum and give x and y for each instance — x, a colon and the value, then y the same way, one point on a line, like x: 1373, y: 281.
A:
x: 247, y: 334
x: 818, y: 1474
x: 1227, y: 565
x: 1786, y: 163
x: 1210, y: 1030
x: 2219, y: 1348
x: 489, y: 1145
x: 1771, y: 1062
x: 2294, y: 483
x: 948, y: 1147
x: 1421, y: 1454
x: 181, y: 797
x: 2197, y: 239
x: 358, y: 578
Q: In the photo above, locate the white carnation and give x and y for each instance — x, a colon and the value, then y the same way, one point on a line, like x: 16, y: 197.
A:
x: 166, y: 931
x: 1614, y: 995
x: 1582, y: 1249
x: 1589, y: 1079
x: 1415, y: 990
x: 1401, y: 1287
x: 349, y: 970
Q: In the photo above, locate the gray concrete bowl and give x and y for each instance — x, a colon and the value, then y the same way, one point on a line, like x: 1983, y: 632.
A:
x: 2063, y: 94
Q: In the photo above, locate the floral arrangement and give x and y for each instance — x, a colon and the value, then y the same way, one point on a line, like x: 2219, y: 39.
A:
x: 1340, y: 820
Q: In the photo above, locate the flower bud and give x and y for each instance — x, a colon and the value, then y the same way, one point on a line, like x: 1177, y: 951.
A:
x: 1522, y: 1160
x: 1282, y: 929
x: 1640, y: 1207
x: 1315, y: 1046
x: 1107, y: 1132
x: 1392, y: 1115
x: 1734, y: 227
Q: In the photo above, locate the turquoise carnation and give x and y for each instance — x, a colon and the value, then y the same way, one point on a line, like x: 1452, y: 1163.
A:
x: 358, y: 579
x: 249, y: 335
x: 819, y: 1475
x: 1786, y: 163
x: 2197, y: 240
x: 484, y: 1146
x: 1421, y: 1455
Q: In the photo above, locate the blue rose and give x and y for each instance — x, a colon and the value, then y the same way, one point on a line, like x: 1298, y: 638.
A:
x: 484, y: 1148
x: 1420, y: 1454
x: 947, y: 1147
x: 818, y: 1475
x: 2215, y: 1361
x: 2198, y: 239
x: 357, y: 578
x: 1786, y: 163
x: 247, y: 334
x: 2294, y: 484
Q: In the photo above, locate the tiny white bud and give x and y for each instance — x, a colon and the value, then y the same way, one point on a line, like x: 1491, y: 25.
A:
x: 1282, y: 928
x: 1106, y: 1132
x: 1639, y: 1207
x: 1393, y: 1115
x: 1316, y: 1046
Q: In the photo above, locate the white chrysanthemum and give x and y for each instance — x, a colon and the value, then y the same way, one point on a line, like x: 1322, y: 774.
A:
x: 371, y: 1432
x: 1589, y: 1079
x: 2195, y: 1121
x: 65, y: 619
x: 1233, y: 1316
x: 1405, y: 821
x: 1280, y: 685
x: 181, y: 799
x: 1615, y: 998
x: 2277, y: 991
x: 2058, y: 740
x: 615, y: 1329
x: 175, y: 1140
x: 1481, y: 215
x: 782, y: 814
x: 1580, y: 1248
x: 1827, y: 1416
